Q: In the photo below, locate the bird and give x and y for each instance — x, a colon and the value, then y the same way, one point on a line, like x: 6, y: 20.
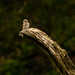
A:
x: 26, y: 24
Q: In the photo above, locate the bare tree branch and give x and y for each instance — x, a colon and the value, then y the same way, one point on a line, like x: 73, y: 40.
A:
x: 56, y: 54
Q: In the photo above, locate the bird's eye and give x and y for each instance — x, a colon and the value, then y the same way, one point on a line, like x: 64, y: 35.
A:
x: 24, y: 21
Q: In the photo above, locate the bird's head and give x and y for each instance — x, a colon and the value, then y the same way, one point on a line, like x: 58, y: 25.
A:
x: 25, y: 21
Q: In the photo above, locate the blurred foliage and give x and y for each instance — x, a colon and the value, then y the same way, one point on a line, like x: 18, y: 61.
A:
x: 19, y: 56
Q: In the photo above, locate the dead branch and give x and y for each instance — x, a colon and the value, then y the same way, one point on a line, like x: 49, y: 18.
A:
x: 56, y: 54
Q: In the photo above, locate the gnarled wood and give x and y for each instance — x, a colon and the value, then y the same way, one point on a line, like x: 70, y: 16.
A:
x: 56, y: 54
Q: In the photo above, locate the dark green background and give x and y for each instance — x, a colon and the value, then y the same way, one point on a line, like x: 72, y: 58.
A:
x: 21, y: 56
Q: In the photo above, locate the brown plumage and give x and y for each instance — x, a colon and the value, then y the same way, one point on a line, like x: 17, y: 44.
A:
x: 25, y: 24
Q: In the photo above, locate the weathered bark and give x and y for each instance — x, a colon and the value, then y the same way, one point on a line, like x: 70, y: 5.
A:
x: 56, y: 54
